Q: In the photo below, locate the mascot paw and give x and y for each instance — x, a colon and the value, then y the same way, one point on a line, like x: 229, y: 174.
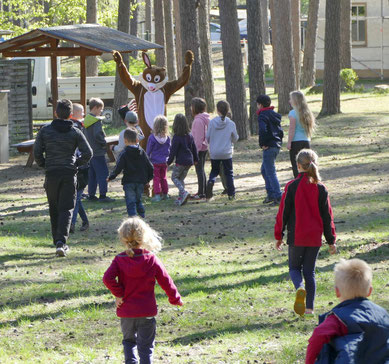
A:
x: 189, y: 57
x: 117, y: 57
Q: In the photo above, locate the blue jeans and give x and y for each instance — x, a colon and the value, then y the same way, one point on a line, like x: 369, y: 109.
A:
x: 269, y: 174
x: 303, y: 259
x: 79, y: 209
x: 228, y: 173
x: 133, y: 195
x: 98, y: 173
x: 138, y: 333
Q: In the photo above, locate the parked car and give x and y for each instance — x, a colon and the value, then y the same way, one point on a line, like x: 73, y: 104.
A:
x: 215, y: 32
x: 243, y: 29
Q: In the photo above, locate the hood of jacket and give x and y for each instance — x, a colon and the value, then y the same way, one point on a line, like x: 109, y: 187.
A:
x: 141, y: 263
x: 161, y: 139
x: 133, y: 152
x: 220, y: 123
x: 203, y: 117
x: 91, y: 119
x: 62, y: 126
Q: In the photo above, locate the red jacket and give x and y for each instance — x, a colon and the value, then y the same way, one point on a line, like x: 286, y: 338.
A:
x: 134, y: 280
x: 306, y: 211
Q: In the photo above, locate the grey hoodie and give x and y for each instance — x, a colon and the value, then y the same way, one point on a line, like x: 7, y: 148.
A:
x: 221, y: 136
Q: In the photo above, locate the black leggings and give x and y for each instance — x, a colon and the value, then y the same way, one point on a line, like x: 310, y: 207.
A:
x: 201, y: 176
x: 296, y: 147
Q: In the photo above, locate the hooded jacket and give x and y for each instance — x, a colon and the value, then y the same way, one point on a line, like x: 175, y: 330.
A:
x: 270, y: 131
x: 158, y: 149
x: 221, y: 136
x: 184, y: 150
x: 135, y: 283
x: 95, y: 135
x: 135, y: 165
x: 199, y: 131
x: 55, y: 147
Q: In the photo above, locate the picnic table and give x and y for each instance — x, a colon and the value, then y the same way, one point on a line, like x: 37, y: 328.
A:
x: 28, y: 147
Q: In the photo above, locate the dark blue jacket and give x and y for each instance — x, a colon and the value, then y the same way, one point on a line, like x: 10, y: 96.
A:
x: 184, y: 150
x: 270, y: 131
x: 367, y: 341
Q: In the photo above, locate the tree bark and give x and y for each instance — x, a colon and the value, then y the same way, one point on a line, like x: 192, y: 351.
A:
x: 191, y: 41
x: 177, y: 30
x: 256, y: 62
x: 121, y: 91
x: 286, y: 76
x: 308, y: 76
x: 296, y: 33
x: 134, y: 22
x: 233, y: 66
x: 273, y: 35
x: 91, y: 17
x: 159, y: 26
x: 169, y: 34
x: 345, y: 34
x: 331, y: 80
x: 148, y: 20
x: 206, y: 53
x: 265, y: 21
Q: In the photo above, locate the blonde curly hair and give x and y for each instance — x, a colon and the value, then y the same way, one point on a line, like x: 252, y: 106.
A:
x: 135, y: 233
x: 161, y: 126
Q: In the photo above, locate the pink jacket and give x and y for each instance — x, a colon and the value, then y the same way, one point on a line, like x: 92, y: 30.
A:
x: 134, y: 280
x: 199, y: 131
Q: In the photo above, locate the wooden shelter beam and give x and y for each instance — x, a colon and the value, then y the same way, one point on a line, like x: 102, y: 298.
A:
x: 54, y: 75
x: 59, y: 52
x: 83, y: 81
x: 23, y: 44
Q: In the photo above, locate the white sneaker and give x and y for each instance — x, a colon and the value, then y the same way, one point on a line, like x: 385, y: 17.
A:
x: 62, y: 250
x: 184, y: 198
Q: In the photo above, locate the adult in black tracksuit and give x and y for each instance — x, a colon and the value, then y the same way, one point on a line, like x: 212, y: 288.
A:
x: 55, y: 151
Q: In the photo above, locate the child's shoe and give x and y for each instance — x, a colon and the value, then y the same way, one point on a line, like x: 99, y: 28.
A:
x: 156, y: 198
x: 178, y: 201
x: 72, y: 229
x: 299, y: 303
x: 209, y: 191
x: 165, y: 196
x: 85, y: 226
x: 231, y: 198
x: 275, y: 202
x: 184, y: 198
x: 267, y: 200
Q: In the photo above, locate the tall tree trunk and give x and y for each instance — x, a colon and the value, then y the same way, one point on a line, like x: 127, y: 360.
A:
x: 91, y: 17
x: 169, y: 34
x: 256, y: 63
x: 134, y: 22
x: 273, y: 36
x: 296, y: 33
x: 286, y: 76
x: 331, y: 80
x: 148, y: 20
x: 233, y: 65
x: 206, y: 53
x: 345, y: 34
x: 264, y: 20
x: 191, y: 40
x: 121, y: 91
x: 159, y: 26
x: 177, y: 31
x: 308, y: 77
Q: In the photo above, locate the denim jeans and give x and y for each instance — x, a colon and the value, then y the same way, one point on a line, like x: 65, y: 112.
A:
x: 138, y: 333
x: 269, y: 174
x: 178, y: 177
x: 98, y: 173
x: 228, y: 173
x: 303, y: 259
x: 201, y: 176
x: 133, y: 195
x: 160, y: 179
x: 79, y: 209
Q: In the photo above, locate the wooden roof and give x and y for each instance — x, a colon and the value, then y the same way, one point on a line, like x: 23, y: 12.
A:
x: 89, y: 40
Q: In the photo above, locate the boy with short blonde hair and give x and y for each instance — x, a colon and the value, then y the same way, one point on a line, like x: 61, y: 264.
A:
x: 355, y: 331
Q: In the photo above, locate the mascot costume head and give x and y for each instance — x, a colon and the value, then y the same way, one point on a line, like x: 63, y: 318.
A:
x: 153, y: 91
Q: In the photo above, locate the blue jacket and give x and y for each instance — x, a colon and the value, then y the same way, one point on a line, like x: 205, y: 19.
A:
x: 367, y: 341
x: 270, y: 131
x: 184, y: 150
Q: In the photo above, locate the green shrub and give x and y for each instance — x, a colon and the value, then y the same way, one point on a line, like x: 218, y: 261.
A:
x: 348, y: 79
x: 136, y: 66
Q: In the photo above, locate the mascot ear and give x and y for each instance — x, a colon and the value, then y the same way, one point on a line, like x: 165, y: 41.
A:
x: 146, y: 59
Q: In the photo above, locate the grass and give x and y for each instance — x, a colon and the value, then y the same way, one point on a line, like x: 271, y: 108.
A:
x: 238, y: 297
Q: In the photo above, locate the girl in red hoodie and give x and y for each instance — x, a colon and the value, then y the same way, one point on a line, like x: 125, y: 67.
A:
x: 131, y: 279
x: 306, y: 212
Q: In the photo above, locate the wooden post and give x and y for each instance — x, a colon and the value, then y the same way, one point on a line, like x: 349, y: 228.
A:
x: 54, y: 75
x: 83, y: 82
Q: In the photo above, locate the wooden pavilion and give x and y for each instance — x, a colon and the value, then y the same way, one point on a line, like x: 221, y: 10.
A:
x: 72, y: 40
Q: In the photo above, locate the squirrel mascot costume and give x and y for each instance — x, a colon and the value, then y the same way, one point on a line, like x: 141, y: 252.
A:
x: 153, y: 91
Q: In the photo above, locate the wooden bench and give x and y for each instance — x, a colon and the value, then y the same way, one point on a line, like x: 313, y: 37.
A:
x: 28, y: 147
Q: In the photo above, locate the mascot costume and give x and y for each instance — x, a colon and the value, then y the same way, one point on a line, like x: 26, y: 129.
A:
x: 153, y: 91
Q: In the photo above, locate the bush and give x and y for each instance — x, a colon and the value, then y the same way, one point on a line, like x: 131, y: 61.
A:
x: 348, y: 79
x: 136, y: 66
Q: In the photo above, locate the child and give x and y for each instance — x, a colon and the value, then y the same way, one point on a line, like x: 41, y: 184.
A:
x: 302, y: 124
x: 158, y: 149
x: 270, y: 141
x: 356, y: 330
x: 184, y: 151
x: 131, y: 120
x: 221, y: 136
x: 137, y: 171
x: 98, y: 170
x: 306, y: 211
x: 199, y: 132
x: 131, y: 279
x: 82, y: 174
